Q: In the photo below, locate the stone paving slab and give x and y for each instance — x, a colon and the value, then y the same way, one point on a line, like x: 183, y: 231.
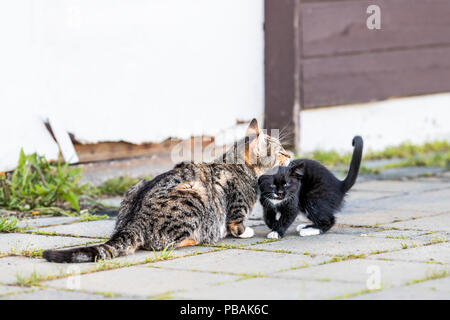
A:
x: 11, y: 267
x: 260, y: 230
x: 333, y: 244
x: 360, y: 217
x: 438, y: 289
x: 400, y: 186
x: 39, y: 222
x: 145, y: 281
x: 271, y: 289
x: 433, y: 253
x: 100, y: 228
x: 412, y: 236
x: 52, y: 294
x: 6, y: 290
x: 143, y: 255
x: 440, y: 222
x: 393, y: 273
x: 358, y: 195
x: 436, y: 201
x: 24, y: 241
x: 241, y: 261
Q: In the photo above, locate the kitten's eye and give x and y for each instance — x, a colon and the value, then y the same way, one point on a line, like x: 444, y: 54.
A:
x: 286, y: 184
x: 272, y: 186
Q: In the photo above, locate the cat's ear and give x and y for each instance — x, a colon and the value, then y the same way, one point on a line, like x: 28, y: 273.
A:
x: 297, y: 170
x: 253, y: 129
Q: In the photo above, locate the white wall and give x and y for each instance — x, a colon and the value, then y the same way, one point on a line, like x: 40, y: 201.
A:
x: 133, y: 70
x: 381, y: 124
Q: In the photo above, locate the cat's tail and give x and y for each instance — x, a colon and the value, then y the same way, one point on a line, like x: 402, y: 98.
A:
x: 120, y: 244
x: 349, y: 181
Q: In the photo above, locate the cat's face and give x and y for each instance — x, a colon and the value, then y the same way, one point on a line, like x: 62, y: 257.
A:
x: 257, y: 150
x: 284, y: 183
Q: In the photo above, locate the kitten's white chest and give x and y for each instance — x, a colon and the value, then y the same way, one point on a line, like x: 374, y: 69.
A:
x: 275, y: 202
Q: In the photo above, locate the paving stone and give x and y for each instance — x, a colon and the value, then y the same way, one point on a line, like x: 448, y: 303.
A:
x: 432, y: 253
x: 49, y: 221
x: 438, y: 289
x: 260, y: 234
x: 5, y: 290
x: 24, y: 241
x: 142, y: 255
x: 241, y: 261
x: 362, y: 199
x: 392, y: 273
x: 375, y: 218
x: 271, y: 289
x: 435, y: 202
x: 411, y: 236
x: 144, y: 281
x: 101, y: 228
x: 22, y: 266
x: 343, y: 229
x: 52, y: 294
x: 355, y: 195
x: 435, y: 223
x: 333, y: 244
x: 399, y: 186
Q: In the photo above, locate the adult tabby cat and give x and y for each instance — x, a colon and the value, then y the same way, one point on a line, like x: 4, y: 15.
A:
x: 192, y: 203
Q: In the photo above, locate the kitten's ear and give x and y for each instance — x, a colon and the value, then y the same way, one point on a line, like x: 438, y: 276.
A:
x: 297, y: 170
x: 253, y: 128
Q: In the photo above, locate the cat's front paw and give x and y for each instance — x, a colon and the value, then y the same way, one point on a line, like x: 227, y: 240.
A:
x: 273, y: 235
x: 301, y: 226
x: 248, y: 233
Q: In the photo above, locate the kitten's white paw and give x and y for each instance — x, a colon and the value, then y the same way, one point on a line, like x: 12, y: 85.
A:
x: 278, y: 216
x: 248, y: 233
x: 301, y: 226
x: 306, y: 232
x: 273, y: 235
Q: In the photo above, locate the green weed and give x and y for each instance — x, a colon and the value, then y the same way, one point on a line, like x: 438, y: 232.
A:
x: 117, y: 186
x: 8, y: 224
x: 37, y: 182
x: 30, y: 281
x: 86, y: 216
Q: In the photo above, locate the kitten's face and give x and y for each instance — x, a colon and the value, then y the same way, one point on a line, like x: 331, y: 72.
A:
x: 281, y: 185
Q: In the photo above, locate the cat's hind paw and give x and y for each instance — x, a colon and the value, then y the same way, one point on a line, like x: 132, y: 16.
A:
x: 248, y: 233
x: 301, y: 226
x: 273, y: 235
x: 306, y: 232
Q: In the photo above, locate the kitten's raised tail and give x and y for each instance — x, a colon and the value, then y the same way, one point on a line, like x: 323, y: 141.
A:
x: 120, y: 244
x: 349, y: 181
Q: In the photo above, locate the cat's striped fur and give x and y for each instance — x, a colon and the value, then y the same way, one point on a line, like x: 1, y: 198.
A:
x: 192, y: 203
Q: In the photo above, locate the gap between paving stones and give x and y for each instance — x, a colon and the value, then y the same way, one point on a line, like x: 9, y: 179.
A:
x: 382, y: 227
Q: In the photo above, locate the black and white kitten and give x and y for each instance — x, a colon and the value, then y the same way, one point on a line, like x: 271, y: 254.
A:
x: 306, y: 186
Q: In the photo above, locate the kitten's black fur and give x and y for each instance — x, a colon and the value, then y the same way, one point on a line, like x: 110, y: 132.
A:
x: 306, y: 186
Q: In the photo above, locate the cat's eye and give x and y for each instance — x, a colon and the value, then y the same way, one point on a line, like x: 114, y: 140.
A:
x: 272, y: 186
